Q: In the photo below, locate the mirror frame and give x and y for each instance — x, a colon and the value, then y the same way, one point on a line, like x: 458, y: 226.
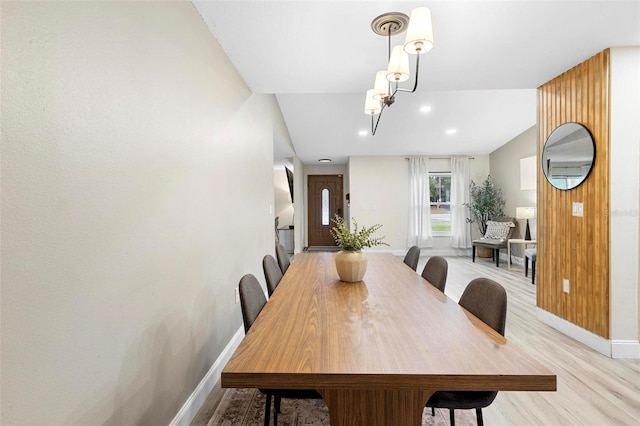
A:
x: 549, y: 140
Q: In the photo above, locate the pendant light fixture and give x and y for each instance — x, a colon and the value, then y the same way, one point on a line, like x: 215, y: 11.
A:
x: 419, y: 40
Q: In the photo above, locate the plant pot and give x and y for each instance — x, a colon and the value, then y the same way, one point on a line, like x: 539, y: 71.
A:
x: 351, y: 265
x: 484, y: 251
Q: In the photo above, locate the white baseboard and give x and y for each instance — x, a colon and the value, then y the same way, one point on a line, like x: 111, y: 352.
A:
x: 193, y: 404
x: 610, y: 348
x: 625, y: 349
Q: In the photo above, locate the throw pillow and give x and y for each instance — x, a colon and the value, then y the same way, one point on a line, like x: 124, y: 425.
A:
x: 498, y: 230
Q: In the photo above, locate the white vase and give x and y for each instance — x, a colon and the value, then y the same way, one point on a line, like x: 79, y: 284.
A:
x: 351, y: 265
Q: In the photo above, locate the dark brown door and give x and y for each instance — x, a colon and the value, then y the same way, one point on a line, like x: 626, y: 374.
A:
x: 325, y: 201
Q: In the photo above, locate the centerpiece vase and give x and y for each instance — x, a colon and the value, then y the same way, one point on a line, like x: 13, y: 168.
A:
x: 351, y: 265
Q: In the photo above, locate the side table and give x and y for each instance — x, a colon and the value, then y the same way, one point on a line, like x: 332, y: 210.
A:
x: 525, y: 243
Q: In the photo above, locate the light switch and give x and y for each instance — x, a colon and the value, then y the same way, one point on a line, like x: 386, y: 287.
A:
x: 565, y: 285
x: 577, y: 209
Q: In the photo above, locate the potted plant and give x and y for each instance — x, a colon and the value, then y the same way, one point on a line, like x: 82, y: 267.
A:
x: 351, y: 263
x: 486, y: 203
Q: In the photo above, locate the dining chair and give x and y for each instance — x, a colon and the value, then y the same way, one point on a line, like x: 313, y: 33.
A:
x: 412, y: 257
x: 272, y: 273
x: 487, y: 300
x: 435, y: 271
x: 530, y: 255
x: 252, y: 301
x: 283, y: 258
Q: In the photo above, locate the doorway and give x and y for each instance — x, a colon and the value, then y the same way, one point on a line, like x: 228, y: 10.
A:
x: 324, y: 202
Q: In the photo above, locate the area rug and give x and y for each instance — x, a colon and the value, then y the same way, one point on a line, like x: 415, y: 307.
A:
x: 245, y: 407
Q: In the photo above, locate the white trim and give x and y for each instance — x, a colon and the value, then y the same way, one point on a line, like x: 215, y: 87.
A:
x: 583, y: 336
x: 625, y: 349
x: 612, y: 348
x: 193, y: 404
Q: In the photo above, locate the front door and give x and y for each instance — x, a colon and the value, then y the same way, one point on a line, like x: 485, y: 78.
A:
x: 325, y: 201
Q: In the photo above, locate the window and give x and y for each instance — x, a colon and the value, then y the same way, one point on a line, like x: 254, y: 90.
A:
x: 325, y: 206
x: 440, y: 200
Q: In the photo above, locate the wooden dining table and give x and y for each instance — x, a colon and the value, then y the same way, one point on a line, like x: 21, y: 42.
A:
x: 376, y: 350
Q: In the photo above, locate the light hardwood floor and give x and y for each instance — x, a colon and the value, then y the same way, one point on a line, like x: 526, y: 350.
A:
x: 592, y: 389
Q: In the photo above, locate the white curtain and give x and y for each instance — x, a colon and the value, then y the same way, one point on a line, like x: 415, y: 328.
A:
x: 419, y: 204
x: 460, y: 232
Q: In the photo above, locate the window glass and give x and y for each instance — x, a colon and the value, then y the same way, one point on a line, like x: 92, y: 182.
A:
x: 440, y: 200
x: 325, y: 206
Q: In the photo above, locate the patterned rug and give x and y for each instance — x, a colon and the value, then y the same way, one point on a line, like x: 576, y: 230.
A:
x: 245, y: 407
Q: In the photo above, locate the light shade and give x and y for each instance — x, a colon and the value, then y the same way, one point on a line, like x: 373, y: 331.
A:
x: 525, y: 212
x: 420, y: 32
x: 398, y: 69
x: 371, y: 106
x: 381, y: 86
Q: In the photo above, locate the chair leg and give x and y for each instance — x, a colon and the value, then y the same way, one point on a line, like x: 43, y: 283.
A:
x: 267, y: 410
x: 479, y: 416
x: 452, y: 418
x: 277, y: 401
x: 497, y: 257
x: 473, y: 253
x: 533, y: 272
x: 526, y: 266
x: 433, y: 411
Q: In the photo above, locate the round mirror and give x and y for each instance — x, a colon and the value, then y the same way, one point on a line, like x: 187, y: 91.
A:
x: 568, y: 155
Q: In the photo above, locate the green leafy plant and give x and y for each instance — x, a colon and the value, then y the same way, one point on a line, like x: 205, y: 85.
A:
x: 356, y: 240
x: 486, y: 203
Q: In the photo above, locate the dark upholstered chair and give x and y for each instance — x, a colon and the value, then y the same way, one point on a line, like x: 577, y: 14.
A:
x: 272, y: 273
x: 252, y: 300
x: 412, y: 257
x: 530, y: 254
x: 435, y: 271
x: 495, y: 244
x: 283, y: 258
x: 487, y: 300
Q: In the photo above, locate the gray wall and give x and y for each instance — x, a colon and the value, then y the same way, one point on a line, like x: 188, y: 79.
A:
x: 137, y: 188
x: 505, y: 171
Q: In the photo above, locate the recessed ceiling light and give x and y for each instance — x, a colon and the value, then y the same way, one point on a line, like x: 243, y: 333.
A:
x: 425, y: 109
x: 451, y: 131
x: 363, y: 132
x: 324, y: 160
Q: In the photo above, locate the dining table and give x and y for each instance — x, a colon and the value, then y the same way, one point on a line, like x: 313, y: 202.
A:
x: 377, y: 349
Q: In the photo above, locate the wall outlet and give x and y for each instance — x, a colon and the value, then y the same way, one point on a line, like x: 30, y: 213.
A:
x: 565, y: 285
x: 577, y: 209
x: 237, y: 295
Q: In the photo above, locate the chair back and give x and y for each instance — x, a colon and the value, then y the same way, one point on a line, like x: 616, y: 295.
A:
x: 412, y: 257
x: 283, y: 258
x: 487, y: 300
x: 435, y: 271
x: 272, y: 273
x: 252, y: 300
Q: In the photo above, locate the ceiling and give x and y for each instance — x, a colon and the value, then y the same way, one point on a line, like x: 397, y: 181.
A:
x: 320, y: 57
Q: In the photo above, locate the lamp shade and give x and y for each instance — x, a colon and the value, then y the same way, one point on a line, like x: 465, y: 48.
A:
x: 525, y: 212
x: 398, y: 69
x: 371, y: 106
x: 381, y: 86
x: 420, y: 32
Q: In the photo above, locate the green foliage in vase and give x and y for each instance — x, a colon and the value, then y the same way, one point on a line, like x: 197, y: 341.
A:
x: 356, y: 240
x: 486, y: 203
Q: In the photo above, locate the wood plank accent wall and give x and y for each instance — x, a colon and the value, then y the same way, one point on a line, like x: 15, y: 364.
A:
x: 571, y: 247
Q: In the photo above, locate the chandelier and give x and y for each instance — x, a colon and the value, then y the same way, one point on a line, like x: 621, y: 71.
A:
x: 419, y: 40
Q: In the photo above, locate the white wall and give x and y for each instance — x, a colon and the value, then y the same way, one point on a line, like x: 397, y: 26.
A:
x: 137, y: 175
x: 379, y: 188
x: 625, y: 201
